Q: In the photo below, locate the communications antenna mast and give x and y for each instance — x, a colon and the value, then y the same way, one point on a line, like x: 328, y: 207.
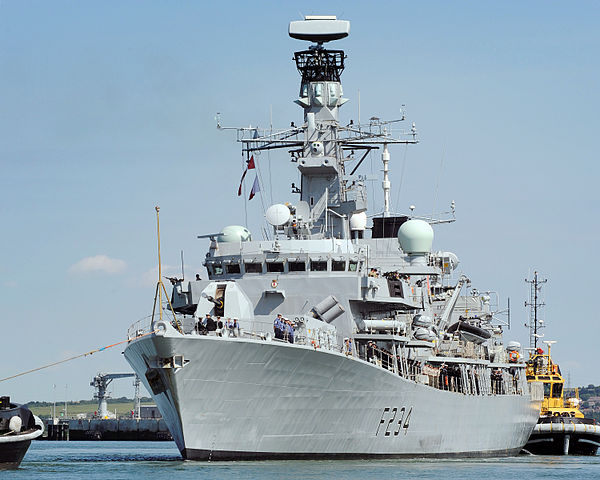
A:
x: 535, y: 324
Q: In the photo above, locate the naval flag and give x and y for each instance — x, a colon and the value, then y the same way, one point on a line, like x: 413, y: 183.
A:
x: 255, y: 188
x: 250, y: 166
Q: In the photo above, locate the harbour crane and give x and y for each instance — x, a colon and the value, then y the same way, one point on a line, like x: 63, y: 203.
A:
x: 101, y: 381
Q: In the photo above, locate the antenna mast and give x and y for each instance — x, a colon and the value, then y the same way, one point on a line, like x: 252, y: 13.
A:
x: 160, y: 286
x: 535, y: 303
x: 385, y: 157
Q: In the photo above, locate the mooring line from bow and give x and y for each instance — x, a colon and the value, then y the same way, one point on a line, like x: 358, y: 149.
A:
x: 91, y: 352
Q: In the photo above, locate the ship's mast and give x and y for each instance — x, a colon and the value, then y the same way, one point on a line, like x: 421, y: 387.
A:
x: 385, y: 158
x: 321, y: 147
x: 535, y: 324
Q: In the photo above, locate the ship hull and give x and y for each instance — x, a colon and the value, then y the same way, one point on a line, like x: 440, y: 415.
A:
x: 251, y: 399
x: 569, y: 438
x: 11, y: 454
x: 14, y: 446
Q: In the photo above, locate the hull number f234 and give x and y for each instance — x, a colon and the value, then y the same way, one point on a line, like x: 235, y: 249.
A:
x: 393, y: 421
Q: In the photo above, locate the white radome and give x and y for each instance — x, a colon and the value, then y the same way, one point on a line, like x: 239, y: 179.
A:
x: 415, y: 236
x: 234, y: 233
x: 278, y: 214
x: 358, y: 221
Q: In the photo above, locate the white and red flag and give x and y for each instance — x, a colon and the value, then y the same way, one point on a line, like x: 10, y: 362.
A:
x: 249, y: 166
x: 255, y: 188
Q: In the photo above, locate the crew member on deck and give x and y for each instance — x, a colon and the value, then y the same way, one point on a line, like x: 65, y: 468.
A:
x: 211, y: 325
x: 278, y: 326
x: 289, y: 331
x: 219, y: 327
x: 348, y: 346
x: 230, y: 327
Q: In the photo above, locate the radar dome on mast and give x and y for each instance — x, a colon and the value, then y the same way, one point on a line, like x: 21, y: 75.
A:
x: 415, y: 237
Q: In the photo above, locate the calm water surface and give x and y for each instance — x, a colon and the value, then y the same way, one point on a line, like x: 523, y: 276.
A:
x: 161, y: 460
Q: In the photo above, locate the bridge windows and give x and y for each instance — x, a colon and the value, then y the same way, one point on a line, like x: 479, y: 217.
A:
x: 251, y: 267
x: 557, y: 390
x: 338, y: 265
x: 233, y: 268
x: 297, y: 266
x: 318, y: 266
x: 217, y: 269
x: 282, y: 265
x: 275, y: 267
x: 547, y: 389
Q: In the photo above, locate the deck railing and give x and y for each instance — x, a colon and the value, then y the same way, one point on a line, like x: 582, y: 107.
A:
x: 459, y: 378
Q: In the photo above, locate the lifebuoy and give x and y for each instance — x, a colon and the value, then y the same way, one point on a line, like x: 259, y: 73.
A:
x: 513, y: 356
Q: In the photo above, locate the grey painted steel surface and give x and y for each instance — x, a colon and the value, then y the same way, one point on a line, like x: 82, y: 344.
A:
x: 254, y: 398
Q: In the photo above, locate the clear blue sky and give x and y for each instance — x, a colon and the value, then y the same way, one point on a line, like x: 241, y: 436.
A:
x: 107, y: 109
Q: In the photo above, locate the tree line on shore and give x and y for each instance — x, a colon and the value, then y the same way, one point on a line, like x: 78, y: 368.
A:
x: 85, y: 402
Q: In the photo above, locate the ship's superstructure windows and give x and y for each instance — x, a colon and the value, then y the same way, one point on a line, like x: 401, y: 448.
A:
x: 217, y: 269
x: 233, y: 268
x: 253, y: 267
x: 318, y: 94
x: 276, y: 267
x: 352, y: 266
x: 557, y: 390
x: 304, y: 90
x: 297, y: 266
x: 338, y: 266
x: 547, y: 389
x: 318, y: 266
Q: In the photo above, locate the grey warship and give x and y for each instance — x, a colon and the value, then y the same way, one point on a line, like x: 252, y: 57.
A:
x: 381, y: 350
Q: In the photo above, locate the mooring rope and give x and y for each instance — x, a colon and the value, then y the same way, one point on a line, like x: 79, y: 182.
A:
x: 91, y: 352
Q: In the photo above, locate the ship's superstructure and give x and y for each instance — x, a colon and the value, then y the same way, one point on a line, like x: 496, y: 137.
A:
x: 380, y: 348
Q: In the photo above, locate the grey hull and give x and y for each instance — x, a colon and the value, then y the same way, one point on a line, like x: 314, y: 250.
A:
x: 250, y: 399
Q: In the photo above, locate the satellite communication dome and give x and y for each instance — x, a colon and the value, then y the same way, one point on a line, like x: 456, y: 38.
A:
x: 234, y: 233
x: 278, y: 214
x: 415, y: 236
x: 358, y: 221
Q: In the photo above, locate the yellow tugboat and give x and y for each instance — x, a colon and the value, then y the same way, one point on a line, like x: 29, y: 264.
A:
x: 562, y: 429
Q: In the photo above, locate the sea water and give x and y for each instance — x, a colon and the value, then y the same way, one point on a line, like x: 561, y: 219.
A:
x: 161, y: 460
